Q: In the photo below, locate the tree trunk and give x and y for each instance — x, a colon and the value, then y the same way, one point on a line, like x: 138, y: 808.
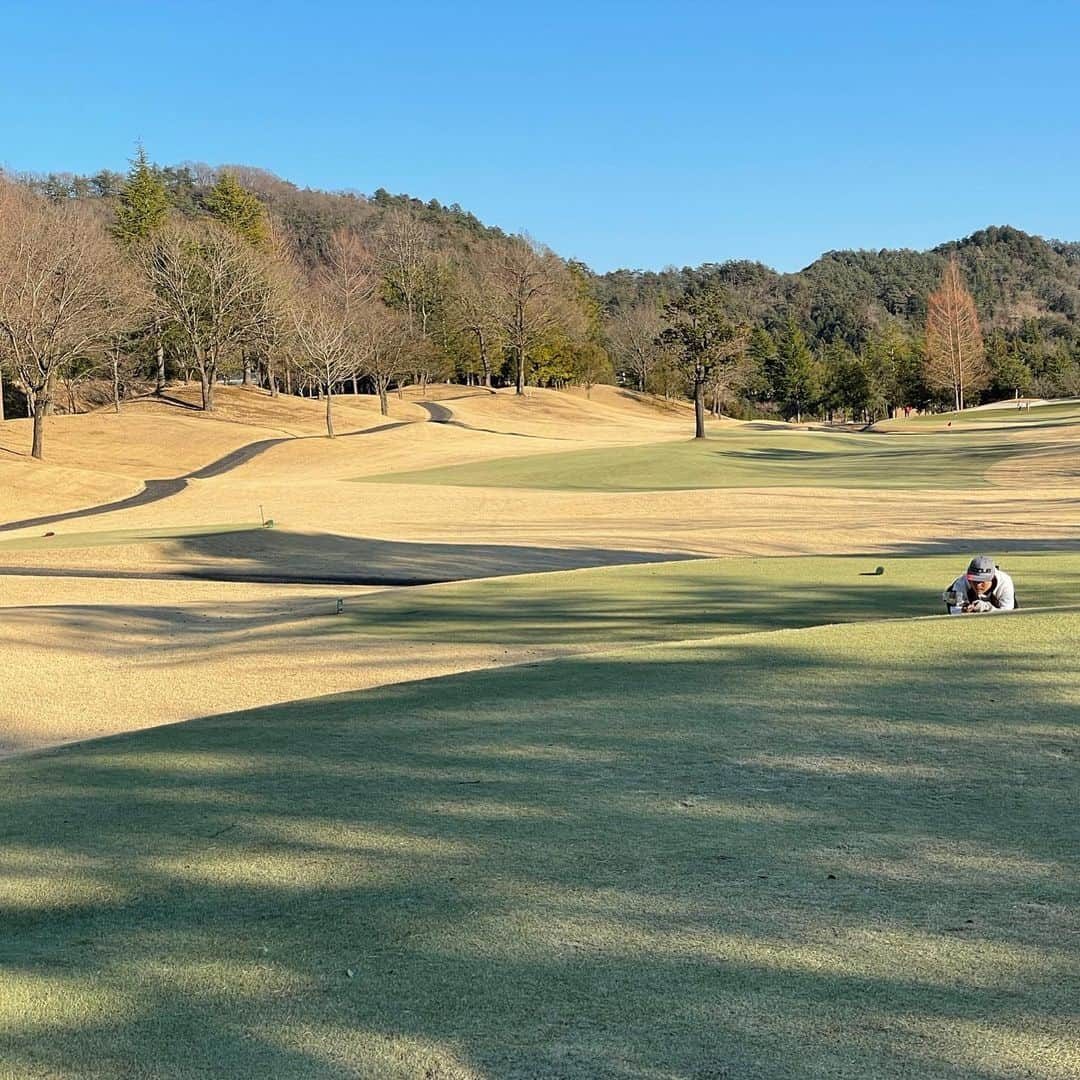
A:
x: 41, y: 405
x: 329, y: 410
x: 245, y: 379
x: 699, y: 409
x: 356, y: 386
x: 1, y: 396
x: 160, y: 354
x: 116, y: 377
x: 384, y: 404
x: 520, y: 388
x: 484, y: 361
x: 206, y: 384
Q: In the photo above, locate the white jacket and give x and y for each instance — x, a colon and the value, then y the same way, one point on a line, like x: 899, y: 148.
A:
x: 1001, y: 595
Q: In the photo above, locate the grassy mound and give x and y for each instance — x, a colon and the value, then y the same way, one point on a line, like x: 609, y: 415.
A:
x: 696, y: 598
x: 838, y: 852
x: 742, y: 459
x: 1051, y: 414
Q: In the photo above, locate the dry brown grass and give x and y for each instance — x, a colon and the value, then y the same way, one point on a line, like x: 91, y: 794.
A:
x: 145, y: 653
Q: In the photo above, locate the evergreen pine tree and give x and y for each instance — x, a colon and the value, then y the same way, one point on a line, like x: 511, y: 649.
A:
x: 239, y: 209
x: 142, y: 205
x: 800, y: 384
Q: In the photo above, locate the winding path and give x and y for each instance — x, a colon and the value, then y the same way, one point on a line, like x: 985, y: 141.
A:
x: 156, y: 490
x: 440, y: 414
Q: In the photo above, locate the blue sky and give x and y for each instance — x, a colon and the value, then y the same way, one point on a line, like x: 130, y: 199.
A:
x: 621, y: 134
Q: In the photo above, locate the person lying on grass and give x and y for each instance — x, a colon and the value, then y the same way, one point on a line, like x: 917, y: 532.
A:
x: 984, y: 587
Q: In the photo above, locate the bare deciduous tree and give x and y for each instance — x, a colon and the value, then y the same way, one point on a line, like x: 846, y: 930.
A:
x: 474, y: 305
x: 329, y: 316
x: 404, y: 251
x: 65, y: 291
x: 633, y: 333
x: 214, y: 288
x: 383, y: 339
x: 955, y: 357
x: 534, y: 297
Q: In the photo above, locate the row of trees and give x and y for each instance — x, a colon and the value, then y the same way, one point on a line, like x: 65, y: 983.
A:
x: 704, y: 341
x: 132, y: 287
x: 200, y: 273
x: 1025, y: 293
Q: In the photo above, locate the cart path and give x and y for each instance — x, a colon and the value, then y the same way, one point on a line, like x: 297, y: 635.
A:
x: 156, y: 490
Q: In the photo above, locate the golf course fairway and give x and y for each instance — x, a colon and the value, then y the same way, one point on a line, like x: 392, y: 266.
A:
x: 848, y: 846
x: 734, y: 459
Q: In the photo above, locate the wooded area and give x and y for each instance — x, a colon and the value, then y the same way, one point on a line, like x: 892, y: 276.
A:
x: 119, y: 283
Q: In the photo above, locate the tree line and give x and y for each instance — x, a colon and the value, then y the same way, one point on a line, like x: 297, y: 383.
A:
x: 130, y: 281
x: 858, y: 334
x: 135, y: 286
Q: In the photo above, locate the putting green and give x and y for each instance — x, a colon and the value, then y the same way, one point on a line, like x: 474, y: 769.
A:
x: 741, y: 459
x: 695, y: 598
x: 841, y: 852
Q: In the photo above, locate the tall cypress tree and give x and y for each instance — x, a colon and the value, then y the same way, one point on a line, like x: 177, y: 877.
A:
x: 142, y: 205
x: 801, y: 385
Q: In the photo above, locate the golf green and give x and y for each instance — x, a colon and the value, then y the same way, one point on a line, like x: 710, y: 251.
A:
x: 746, y: 459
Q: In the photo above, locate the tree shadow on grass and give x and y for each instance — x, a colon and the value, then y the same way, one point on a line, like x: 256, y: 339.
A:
x: 760, y: 857
x: 281, y: 556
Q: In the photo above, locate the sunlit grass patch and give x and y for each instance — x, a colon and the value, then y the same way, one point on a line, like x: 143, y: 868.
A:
x: 742, y: 459
x: 1054, y: 413
x: 696, y: 598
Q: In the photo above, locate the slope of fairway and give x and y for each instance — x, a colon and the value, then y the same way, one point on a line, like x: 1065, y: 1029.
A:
x: 81, y: 541
x: 843, y: 852
x: 605, y: 414
x: 143, y: 651
x: 141, y: 443
x: 301, y: 416
x: 1049, y: 414
x: 30, y: 488
x: 675, y: 601
x: 736, y: 458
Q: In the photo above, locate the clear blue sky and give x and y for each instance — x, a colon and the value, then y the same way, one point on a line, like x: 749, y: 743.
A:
x: 623, y: 134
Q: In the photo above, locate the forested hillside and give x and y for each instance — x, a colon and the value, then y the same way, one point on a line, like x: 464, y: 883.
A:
x: 846, y: 336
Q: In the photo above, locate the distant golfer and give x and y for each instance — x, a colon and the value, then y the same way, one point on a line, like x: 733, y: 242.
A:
x: 983, y: 588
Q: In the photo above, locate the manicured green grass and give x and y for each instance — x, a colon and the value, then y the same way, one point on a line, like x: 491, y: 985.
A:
x: 742, y: 459
x: 845, y: 852
x: 112, y: 537
x: 695, y: 598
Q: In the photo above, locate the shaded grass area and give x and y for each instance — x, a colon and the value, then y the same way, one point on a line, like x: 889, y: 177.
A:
x: 696, y: 598
x: 845, y: 852
x: 113, y: 537
x: 741, y: 459
x: 251, y: 553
